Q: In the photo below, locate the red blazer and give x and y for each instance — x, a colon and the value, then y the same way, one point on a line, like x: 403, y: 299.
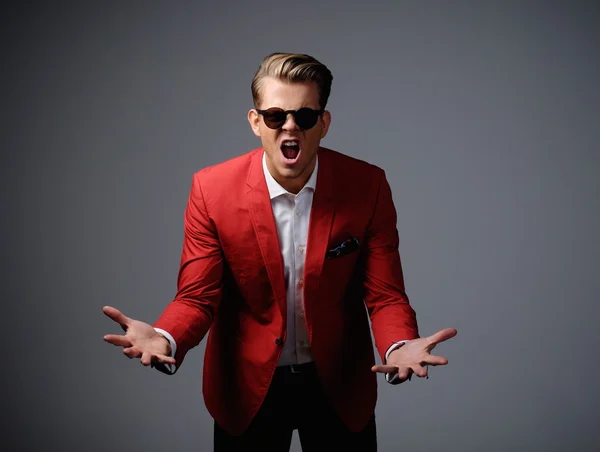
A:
x: 231, y: 281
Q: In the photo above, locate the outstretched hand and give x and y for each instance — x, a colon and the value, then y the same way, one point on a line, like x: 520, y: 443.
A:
x: 140, y: 339
x: 414, y: 356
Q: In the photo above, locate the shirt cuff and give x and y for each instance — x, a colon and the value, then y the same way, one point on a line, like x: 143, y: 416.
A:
x: 170, y: 367
x: 392, y: 377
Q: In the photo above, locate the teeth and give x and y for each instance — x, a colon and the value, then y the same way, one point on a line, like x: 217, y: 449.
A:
x: 290, y: 143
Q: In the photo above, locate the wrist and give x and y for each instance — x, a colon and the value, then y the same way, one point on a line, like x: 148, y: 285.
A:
x: 168, y: 352
x: 393, y: 352
x: 394, y: 347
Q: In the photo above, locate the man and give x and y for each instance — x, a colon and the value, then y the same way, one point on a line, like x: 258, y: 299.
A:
x: 289, y: 250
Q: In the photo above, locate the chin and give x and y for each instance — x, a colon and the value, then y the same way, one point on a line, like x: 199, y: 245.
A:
x: 290, y: 173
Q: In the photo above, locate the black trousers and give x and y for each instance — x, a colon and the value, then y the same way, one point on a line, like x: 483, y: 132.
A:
x: 296, y: 401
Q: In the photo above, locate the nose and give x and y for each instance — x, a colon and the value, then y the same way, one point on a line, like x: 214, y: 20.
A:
x: 290, y: 123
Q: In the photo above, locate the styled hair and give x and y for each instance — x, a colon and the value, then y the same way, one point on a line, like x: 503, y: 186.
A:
x: 293, y: 68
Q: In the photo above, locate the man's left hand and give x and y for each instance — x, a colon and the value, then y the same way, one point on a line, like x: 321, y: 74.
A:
x: 414, y: 356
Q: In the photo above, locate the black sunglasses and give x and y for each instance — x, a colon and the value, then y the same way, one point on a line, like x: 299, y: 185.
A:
x: 305, y: 118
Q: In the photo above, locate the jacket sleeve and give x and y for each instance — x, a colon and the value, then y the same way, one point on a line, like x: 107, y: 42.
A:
x: 392, y: 317
x: 199, y: 284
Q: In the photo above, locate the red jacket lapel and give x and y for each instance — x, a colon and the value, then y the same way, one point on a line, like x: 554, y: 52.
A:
x: 321, y: 219
x: 263, y: 221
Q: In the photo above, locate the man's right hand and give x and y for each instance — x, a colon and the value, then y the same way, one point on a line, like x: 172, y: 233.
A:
x: 140, y: 339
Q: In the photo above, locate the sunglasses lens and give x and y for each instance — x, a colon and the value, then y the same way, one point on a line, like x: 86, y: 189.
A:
x: 306, y: 118
x: 274, y: 118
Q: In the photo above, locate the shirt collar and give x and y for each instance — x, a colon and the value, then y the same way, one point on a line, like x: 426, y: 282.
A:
x: 276, y: 190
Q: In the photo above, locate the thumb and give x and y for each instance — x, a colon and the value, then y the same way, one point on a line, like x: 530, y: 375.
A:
x: 117, y: 316
x: 442, y: 335
x: 384, y: 368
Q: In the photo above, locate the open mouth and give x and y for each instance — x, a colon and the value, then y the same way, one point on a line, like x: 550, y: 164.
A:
x: 290, y: 150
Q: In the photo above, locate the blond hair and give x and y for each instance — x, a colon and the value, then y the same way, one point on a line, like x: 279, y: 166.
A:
x: 293, y: 68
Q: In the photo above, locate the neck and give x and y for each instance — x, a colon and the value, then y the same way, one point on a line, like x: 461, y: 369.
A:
x: 293, y: 184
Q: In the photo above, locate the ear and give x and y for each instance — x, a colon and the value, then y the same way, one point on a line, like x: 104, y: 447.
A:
x: 254, y: 120
x: 326, y: 122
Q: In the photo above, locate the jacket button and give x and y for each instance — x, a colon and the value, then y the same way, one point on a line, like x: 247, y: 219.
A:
x: 279, y: 341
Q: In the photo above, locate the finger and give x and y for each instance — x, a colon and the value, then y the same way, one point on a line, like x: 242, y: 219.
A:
x: 384, y: 369
x: 117, y: 316
x: 404, y: 373
x: 442, y: 335
x: 146, y: 359
x: 163, y: 359
x: 132, y: 352
x: 419, y: 370
x: 149, y: 359
x: 435, y: 360
x: 115, y: 339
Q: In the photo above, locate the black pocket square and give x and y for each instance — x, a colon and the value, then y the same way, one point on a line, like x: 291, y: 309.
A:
x: 344, y: 248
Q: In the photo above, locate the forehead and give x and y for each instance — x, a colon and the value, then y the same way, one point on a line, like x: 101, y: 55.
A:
x: 289, y: 96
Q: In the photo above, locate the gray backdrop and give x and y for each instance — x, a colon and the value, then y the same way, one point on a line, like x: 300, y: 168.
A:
x: 485, y: 116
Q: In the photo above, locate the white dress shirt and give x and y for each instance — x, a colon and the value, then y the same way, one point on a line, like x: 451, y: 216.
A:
x: 292, y: 214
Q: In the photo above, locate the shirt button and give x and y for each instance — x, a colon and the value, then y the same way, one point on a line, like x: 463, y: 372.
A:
x: 301, y: 248
x: 279, y: 341
x: 301, y: 283
x: 301, y: 314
